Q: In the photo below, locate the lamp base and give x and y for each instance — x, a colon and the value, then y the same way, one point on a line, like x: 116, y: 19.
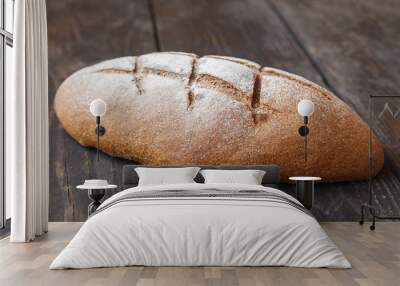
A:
x: 100, y: 130
x: 303, y: 131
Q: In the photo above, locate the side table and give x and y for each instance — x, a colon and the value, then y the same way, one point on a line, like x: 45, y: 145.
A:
x: 305, y: 190
x: 96, y: 194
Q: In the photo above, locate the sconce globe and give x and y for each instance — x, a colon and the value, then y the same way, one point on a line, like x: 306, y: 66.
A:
x: 305, y: 107
x: 98, y: 107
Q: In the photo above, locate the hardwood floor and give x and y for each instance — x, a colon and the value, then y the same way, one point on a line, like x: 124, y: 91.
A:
x: 375, y: 257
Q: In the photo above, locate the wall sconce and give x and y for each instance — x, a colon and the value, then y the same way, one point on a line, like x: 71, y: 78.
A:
x: 98, y: 108
x: 305, y: 108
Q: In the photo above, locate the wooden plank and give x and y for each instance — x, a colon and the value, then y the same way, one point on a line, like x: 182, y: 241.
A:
x: 375, y: 259
x: 249, y: 29
x: 354, y: 44
x: 81, y: 33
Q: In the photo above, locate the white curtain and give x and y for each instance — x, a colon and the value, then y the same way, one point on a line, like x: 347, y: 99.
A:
x: 27, y: 145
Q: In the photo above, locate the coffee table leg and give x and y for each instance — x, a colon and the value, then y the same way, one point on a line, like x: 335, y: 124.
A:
x: 95, y: 196
x: 305, y: 193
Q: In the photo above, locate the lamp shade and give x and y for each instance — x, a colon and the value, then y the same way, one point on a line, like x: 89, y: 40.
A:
x: 98, y: 107
x: 305, y: 107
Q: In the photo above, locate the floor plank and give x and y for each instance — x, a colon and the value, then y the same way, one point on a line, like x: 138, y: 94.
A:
x: 375, y: 257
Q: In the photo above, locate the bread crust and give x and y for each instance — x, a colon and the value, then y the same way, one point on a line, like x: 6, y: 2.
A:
x: 178, y: 108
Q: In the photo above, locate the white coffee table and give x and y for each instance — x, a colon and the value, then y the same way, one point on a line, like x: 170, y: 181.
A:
x: 96, y: 194
x: 305, y: 189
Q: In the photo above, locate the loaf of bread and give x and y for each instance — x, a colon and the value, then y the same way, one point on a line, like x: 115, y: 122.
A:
x: 178, y: 108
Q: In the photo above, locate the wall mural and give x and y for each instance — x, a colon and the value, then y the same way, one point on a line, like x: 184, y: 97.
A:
x: 180, y: 108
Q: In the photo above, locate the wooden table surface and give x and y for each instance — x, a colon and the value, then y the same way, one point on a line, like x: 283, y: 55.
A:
x: 351, y: 47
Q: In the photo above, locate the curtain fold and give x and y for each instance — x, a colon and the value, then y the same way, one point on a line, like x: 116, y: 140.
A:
x: 27, y: 122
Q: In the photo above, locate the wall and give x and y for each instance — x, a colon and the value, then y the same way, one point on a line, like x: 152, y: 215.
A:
x: 341, y: 46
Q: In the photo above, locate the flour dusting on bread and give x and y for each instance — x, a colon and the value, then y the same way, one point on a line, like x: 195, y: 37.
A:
x: 172, y: 62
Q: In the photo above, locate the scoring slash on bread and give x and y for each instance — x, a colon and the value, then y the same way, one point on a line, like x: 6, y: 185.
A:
x: 178, y: 108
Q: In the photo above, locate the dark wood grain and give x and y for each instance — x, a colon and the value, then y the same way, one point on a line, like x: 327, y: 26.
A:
x: 350, y: 47
x: 355, y: 45
x: 248, y: 29
x: 82, y: 33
